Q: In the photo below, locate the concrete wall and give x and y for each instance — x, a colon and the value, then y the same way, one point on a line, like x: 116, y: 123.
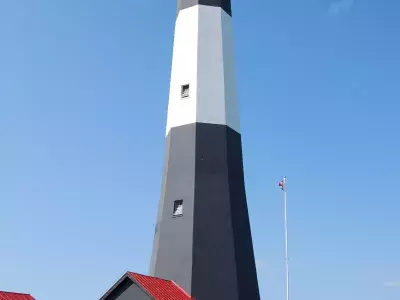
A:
x: 203, y: 57
x: 173, y: 242
x: 208, y: 251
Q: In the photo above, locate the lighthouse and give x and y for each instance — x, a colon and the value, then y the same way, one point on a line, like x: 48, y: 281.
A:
x: 203, y: 238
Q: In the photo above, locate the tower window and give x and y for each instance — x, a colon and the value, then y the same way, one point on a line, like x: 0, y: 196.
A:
x: 185, y: 91
x: 178, y: 208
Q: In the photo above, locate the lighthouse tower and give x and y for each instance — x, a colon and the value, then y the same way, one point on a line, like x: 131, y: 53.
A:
x: 202, y: 238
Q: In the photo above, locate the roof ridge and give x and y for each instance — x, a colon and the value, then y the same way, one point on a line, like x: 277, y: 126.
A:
x: 153, y: 286
x: 15, y: 293
x: 134, y: 273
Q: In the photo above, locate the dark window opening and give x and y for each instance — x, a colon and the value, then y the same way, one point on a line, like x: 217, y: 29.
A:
x: 185, y: 91
x: 178, y: 208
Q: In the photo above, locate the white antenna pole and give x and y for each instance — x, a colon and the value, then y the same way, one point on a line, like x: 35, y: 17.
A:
x: 286, y: 239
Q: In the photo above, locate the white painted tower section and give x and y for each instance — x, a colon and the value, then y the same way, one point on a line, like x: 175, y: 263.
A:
x: 203, y: 57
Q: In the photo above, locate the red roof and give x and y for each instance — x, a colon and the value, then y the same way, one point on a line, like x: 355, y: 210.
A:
x: 15, y: 296
x: 160, y: 289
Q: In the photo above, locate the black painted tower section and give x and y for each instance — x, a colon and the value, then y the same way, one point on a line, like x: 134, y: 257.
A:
x: 224, y: 4
x: 208, y: 250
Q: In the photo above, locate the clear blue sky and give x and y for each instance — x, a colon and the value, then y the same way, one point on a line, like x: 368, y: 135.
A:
x: 83, y: 98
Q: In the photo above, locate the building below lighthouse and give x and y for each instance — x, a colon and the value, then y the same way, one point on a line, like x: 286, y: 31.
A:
x: 202, y: 242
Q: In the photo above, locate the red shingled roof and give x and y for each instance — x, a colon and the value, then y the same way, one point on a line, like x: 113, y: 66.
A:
x: 160, y: 289
x: 15, y: 296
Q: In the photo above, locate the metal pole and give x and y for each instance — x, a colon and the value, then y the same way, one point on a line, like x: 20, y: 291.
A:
x: 286, y: 239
